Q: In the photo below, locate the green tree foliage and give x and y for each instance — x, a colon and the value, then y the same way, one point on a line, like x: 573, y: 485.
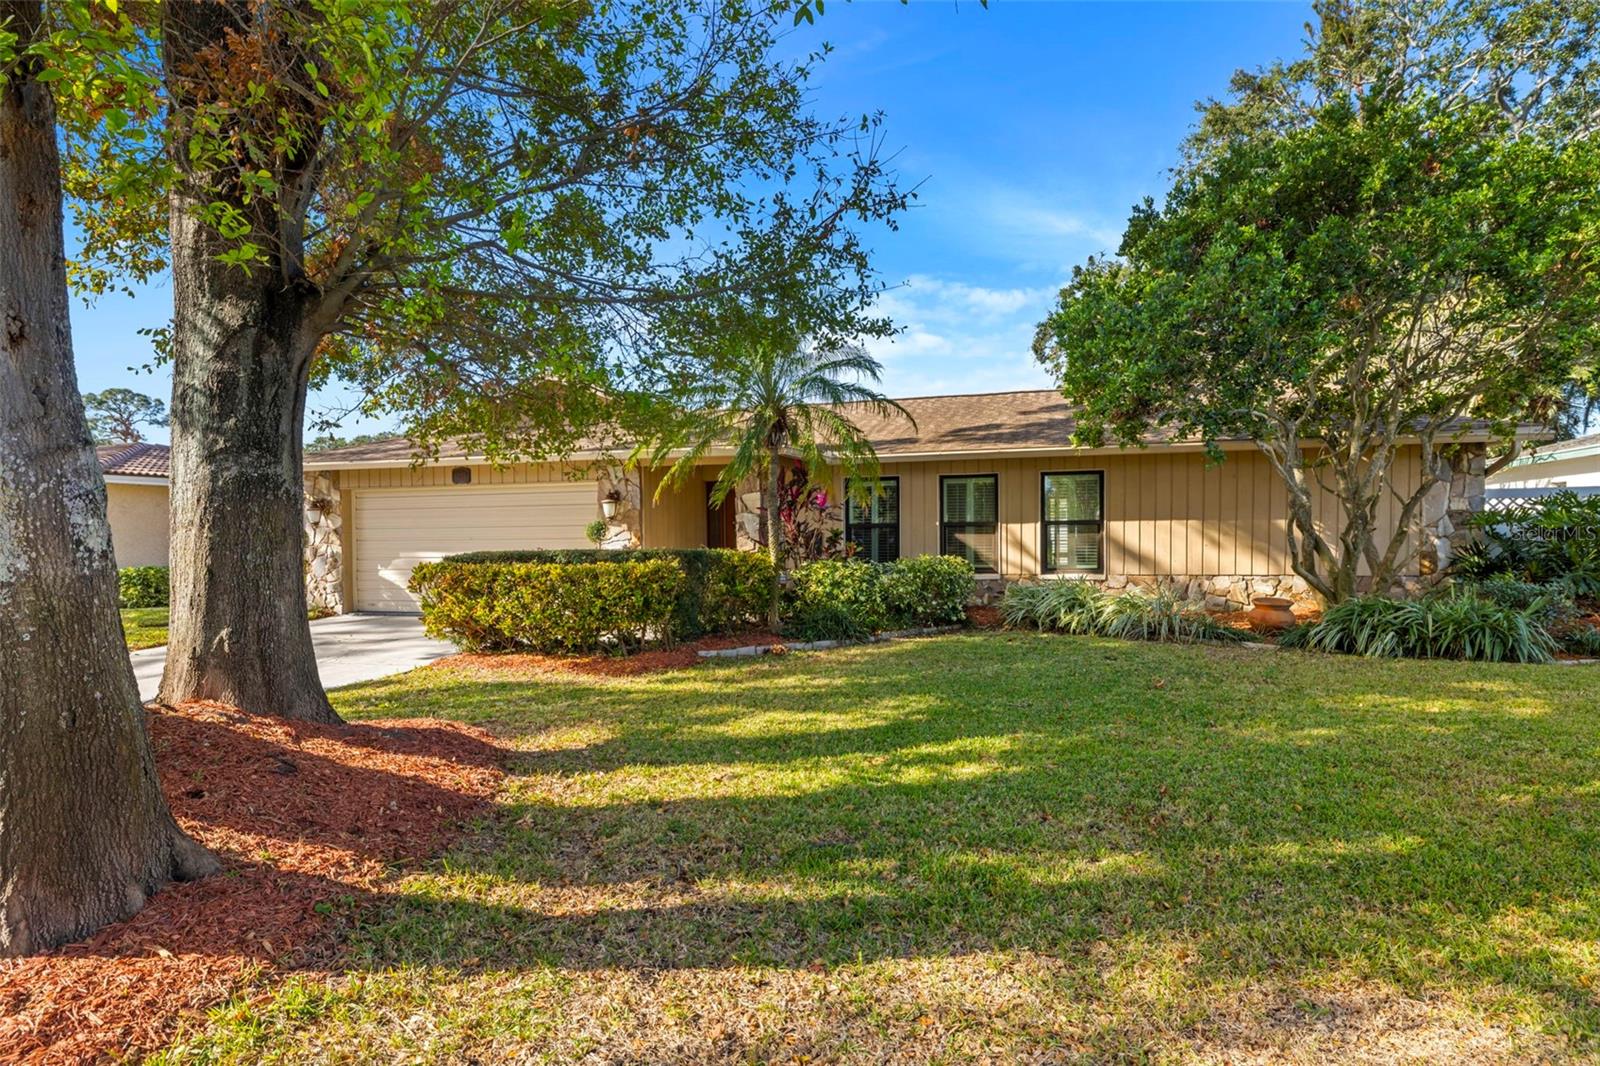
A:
x: 485, y: 217
x: 115, y: 415
x: 1533, y: 65
x: 1335, y: 291
x: 774, y: 399
x: 502, y: 208
x: 329, y: 440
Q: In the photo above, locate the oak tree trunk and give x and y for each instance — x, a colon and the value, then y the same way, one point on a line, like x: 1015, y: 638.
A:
x: 238, y: 632
x: 241, y: 356
x: 85, y: 834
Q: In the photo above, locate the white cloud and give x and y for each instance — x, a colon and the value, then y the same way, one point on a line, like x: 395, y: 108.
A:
x: 957, y: 337
x: 1034, y: 231
x: 1044, y: 221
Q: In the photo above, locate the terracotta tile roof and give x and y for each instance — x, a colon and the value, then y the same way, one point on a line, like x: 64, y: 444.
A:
x: 135, y: 460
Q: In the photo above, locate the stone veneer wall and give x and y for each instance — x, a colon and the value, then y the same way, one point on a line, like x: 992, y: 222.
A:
x: 749, y: 516
x: 1449, y: 507
x: 324, y: 552
x: 1216, y: 592
x: 626, y: 529
x: 749, y: 527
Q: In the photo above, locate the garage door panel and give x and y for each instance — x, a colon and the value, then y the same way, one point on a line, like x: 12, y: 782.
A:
x: 397, y: 528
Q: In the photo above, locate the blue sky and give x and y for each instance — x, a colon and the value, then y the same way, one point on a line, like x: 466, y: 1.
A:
x: 1032, y: 127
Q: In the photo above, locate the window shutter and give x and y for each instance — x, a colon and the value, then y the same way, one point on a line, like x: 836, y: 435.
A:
x: 971, y: 508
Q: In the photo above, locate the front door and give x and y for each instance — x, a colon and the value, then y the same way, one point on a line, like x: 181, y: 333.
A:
x: 719, y: 520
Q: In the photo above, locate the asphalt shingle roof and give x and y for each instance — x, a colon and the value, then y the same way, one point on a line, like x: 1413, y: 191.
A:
x: 1036, y: 418
x: 1023, y: 420
x: 1553, y: 449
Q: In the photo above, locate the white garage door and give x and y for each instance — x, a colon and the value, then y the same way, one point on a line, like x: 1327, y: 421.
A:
x: 398, y: 528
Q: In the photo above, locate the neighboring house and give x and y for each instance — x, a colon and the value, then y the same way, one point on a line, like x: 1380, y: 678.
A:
x: 993, y: 477
x: 1564, y: 464
x: 136, y: 501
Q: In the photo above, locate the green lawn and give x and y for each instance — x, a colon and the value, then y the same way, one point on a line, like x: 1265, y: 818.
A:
x: 1012, y: 847
x: 144, y: 627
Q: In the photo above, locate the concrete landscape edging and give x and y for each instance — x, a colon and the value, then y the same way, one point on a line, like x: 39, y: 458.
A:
x: 749, y: 650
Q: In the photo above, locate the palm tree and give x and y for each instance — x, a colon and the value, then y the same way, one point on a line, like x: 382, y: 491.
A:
x: 780, y: 398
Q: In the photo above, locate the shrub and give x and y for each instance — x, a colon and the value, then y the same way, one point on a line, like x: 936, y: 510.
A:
x: 1085, y: 608
x: 1582, y: 640
x: 927, y: 590
x: 723, y: 589
x: 1161, y: 616
x: 820, y: 620
x: 143, y: 586
x: 1064, y: 606
x: 737, y: 590
x: 1456, y: 625
x: 1550, y: 601
x: 1555, y: 538
x: 854, y: 587
x: 548, y: 607
x: 595, y: 531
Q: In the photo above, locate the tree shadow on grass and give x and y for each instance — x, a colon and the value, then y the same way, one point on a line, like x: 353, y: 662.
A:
x: 1240, y: 819
x: 1257, y: 818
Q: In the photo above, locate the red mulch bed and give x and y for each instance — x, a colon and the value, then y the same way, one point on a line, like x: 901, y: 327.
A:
x: 650, y: 661
x: 985, y: 618
x: 300, y: 815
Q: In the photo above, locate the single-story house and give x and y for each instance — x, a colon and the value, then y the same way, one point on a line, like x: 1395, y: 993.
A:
x: 994, y: 477
x: 1563, y: 464
x: 137, y: 477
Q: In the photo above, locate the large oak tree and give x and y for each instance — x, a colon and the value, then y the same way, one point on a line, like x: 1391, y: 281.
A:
x: 485, y: 216
x: 85, y: 834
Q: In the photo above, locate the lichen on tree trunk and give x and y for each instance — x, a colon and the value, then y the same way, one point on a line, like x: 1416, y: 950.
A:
x: 85, y: 833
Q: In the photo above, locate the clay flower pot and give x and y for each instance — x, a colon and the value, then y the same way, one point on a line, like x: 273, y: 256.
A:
x: 1271, y: 613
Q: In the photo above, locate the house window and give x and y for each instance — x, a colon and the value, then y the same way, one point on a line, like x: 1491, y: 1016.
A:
x: 1074, y: 521
x: 874, y: 527
x: 969, y: 516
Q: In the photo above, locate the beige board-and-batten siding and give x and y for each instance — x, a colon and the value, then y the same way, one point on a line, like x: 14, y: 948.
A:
x: 1167, y: 513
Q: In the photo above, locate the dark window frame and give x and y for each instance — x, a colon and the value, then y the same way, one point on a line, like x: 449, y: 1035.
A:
x: 995, y: 527
x: 850, y: 528
x: 1045, y: 523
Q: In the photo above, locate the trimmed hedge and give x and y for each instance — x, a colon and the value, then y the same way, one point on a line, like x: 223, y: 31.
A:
x: 925, y: 590
x: 723, y: 590
x: 847, y: 585
x: 143, y: 586
x: 928, y: 590
x: 548, y: 607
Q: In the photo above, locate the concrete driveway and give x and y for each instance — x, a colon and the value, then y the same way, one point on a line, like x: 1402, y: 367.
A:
x: 349, y: 648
